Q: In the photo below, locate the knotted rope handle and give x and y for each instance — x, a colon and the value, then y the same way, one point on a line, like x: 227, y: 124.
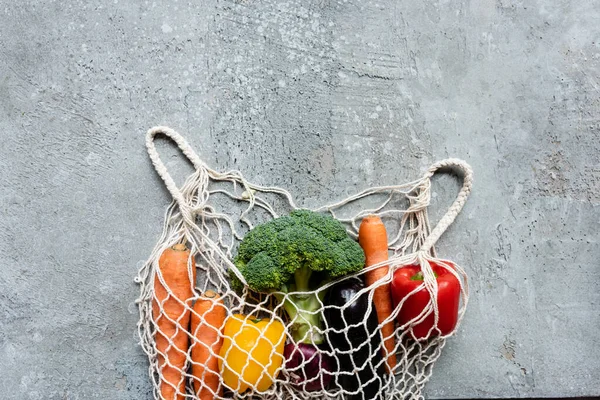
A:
x: 454, y: 164
x: 161, y: 169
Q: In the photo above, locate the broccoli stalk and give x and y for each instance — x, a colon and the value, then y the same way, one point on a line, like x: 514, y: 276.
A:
x: 303, y: 308
x: 281, y: 256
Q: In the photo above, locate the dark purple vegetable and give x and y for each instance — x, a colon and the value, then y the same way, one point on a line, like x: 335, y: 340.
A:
x: 363, y: 339
x: 308, y: 368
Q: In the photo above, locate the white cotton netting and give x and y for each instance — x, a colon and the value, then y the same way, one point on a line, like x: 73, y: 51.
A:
x: 184, y: 347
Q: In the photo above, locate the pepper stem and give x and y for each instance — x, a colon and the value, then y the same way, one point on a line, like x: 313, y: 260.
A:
x: 419, y: 276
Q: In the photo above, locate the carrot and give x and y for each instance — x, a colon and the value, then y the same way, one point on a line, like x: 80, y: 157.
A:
x: 207, y: 322
x: 372, y: 237
x: 171, y: 337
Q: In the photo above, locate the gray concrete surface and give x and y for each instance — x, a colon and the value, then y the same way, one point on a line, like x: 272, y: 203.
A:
x: 325, y: 98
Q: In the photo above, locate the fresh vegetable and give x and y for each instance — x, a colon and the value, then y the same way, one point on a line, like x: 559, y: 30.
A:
x: 409, y: 278
x: 207, y: 322
x: 308, y: 368
x: 297, y: 253
x: 372, y: 237
x: 242, y: 341
x: 355, y: 340
x: 171, y: 314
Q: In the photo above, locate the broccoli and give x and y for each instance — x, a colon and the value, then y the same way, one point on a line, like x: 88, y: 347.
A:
x: 298, y: 253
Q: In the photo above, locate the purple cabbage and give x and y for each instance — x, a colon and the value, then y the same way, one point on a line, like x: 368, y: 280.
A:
x: 308, y: 369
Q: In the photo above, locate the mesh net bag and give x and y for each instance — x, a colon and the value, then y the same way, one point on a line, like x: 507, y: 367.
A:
x: 206, y: 338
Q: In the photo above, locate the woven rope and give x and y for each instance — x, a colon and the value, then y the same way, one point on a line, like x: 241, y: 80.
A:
x: 212, y: 234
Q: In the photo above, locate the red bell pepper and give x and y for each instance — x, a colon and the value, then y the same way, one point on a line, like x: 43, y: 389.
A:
x: 407, y: 279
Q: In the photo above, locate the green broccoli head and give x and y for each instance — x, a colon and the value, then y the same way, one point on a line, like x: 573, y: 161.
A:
x: 281, y: 254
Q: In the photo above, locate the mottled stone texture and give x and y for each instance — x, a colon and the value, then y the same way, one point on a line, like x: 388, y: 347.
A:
x: 325, y: 98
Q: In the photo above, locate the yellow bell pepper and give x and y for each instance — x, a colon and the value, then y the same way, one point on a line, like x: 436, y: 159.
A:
x: 242, y: 337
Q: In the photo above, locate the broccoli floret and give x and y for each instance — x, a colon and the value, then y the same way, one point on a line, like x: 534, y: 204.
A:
x: 281, y: 256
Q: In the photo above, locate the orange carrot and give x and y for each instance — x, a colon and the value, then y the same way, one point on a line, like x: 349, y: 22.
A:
x: 171, y: 337
x: 207, y: 344
x: 372, y: 237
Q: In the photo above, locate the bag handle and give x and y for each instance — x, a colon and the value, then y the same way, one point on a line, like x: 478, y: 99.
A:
x: 160, y: 167
x: 450, y: 163
x: 454, y: 164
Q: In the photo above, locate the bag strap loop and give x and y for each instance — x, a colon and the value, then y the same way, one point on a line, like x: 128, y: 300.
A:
x: 457, y: 165
x: 161, y: 169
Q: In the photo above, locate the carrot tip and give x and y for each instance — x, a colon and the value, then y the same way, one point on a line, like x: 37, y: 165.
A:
x: 371, y: 219
x: 179, y: 247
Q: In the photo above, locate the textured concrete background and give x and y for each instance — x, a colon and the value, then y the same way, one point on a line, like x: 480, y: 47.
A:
x: 325, y: 98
